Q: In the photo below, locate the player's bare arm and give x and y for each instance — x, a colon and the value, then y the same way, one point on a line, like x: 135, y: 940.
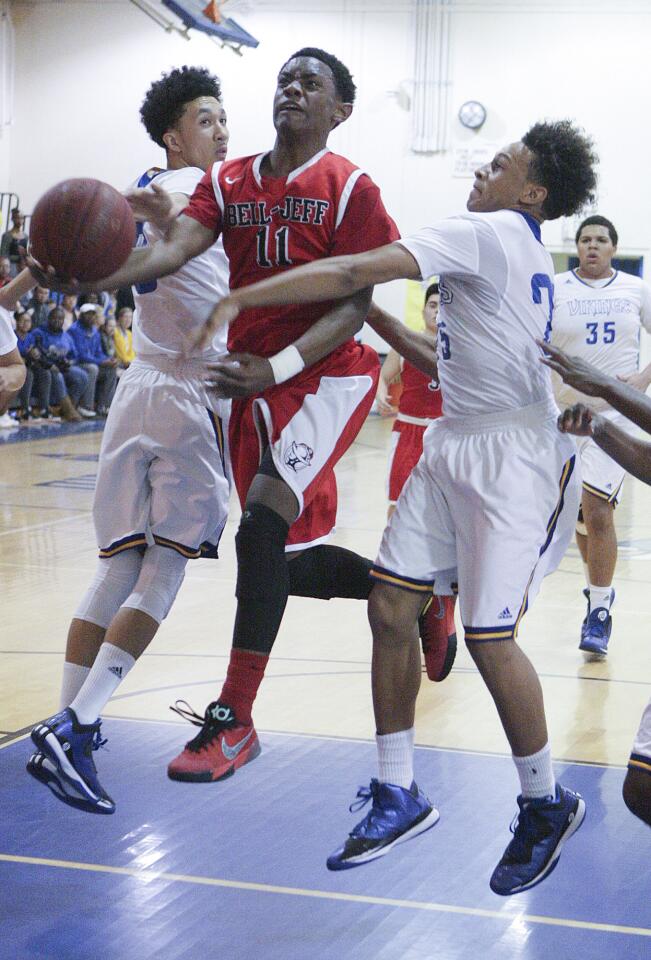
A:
x: 155, y: 205
x: 633, y: 454
x: 329, y: 279
x: 417, y: 348
x: 15, y: 289
x: 243, y: 374
x: 12, y: 375
x: 581, y: 375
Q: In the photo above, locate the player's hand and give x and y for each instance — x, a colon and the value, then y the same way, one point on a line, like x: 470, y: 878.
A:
x: 154, y: 204
x: 574, y: 371
x: 239, y: 375
x: 382, y: 400
x: 46, y: 277
x: 579, y: 420
x: 637, y: 380
x: 223, y: 314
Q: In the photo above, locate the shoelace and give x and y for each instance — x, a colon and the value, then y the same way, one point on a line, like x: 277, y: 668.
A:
x: 528, y: 827
x: 210, y: 727
x: 364, y: 794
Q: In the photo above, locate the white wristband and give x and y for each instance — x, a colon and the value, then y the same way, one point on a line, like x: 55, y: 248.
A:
x: 286, y: 364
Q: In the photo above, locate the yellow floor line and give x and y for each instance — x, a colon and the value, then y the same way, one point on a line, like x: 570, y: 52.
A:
x: 505, y: 915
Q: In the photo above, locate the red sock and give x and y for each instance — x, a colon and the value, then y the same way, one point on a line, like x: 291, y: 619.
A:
x: 244, y: 676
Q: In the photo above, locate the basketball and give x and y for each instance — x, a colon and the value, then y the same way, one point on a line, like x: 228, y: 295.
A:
x: 83, y: 228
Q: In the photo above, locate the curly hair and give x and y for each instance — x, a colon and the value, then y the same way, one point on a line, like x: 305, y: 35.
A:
x: 343, y: 78
x: 598, y: 221
x: 168, y: 97
x: 563, y: 162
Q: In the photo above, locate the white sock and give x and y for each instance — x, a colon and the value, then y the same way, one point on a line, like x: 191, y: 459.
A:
x: 109, y: 670
x: 537, y: 778
x: 395, y: 754
x: 71, y: 682
x: 599, y: 596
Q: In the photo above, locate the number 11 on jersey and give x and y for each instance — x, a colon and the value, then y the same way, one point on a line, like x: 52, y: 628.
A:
x: 281, y: 237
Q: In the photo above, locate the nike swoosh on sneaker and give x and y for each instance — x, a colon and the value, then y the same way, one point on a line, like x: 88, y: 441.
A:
x: 231, y: 752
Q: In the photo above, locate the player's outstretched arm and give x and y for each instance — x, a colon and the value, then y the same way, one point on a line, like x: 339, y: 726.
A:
x: 416, y: 348
x: 15, y: 289
x: 632, y: 454
x: 628, y: 400
x: 241, y: 375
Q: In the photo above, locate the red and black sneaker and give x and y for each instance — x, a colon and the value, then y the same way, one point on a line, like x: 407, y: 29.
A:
x: 438, y: 636
x: 221, y: 746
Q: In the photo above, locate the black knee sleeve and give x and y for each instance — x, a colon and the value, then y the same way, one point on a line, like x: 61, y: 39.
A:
x: 262, y: 578
x: 325, y: 572
x: 260, y: 546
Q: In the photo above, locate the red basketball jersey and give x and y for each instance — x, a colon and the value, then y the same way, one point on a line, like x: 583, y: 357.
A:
x: 325, y: 208
x: 421, y: 395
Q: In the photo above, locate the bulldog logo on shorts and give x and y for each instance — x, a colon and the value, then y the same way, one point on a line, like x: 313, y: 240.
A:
x: 299, y: 456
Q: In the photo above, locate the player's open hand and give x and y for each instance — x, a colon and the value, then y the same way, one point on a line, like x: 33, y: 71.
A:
x: 154, y: 204
x: 46, y: 277
x: 574, y: 371
x: 579, y: 420
x: 239, y: 375
x: 223, y: 314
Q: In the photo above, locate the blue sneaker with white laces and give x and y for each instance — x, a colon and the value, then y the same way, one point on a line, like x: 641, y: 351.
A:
x: 596, y: 628
x: 539, y: 832
x: 397, y: 814
x: 69, y: 745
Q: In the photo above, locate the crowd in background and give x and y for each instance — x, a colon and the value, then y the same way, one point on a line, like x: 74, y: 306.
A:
x: 74, y: 349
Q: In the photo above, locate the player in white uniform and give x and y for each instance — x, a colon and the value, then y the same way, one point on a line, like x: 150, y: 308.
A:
x: 598, y: 315
x: 493, y: 499
x: 162, y: 487
x: 634, y: 455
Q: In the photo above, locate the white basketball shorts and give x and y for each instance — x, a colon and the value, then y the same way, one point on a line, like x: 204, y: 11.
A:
x: 641, y: 753
x: 490, y: 506
x: 602, y: 476
x: 163, y: 468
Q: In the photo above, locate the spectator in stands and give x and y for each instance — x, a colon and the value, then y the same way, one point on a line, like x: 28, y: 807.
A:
x: 12, y: 369
x: 69, y: 306
x: 39, y: 307
x: 14, y: 240
x: 31, y: 355
x: 124, y: 339
x: 64, y: 379
x: 101, y: 369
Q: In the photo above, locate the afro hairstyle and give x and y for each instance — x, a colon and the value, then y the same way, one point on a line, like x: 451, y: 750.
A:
x: 564, y: 163
x: 168, y: 97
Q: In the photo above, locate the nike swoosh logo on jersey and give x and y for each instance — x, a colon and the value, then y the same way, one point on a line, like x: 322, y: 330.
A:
x: 231, y: 752
x: 232, y: 179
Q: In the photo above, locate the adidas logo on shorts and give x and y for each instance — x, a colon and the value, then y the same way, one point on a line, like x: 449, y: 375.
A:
x: 505, y: 614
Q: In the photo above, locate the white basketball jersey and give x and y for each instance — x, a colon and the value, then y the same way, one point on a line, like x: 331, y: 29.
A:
x: 170, y: 311
x: 599, y: 321
x: 496, y: 281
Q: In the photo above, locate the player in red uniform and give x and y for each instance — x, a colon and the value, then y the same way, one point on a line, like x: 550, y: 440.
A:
x: 301, y: 384
x: 420, y: 403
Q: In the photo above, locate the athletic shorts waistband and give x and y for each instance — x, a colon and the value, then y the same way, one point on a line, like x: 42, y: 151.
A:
x: 193, y: 368
x: 417, y: 421
x: 533, y: 415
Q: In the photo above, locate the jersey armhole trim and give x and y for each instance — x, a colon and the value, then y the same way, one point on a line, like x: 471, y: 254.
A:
x: 349, y: 186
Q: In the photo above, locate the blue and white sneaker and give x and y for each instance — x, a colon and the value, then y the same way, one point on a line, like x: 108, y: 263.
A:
x: 539, y: 832
x: 397, y: 815
x: 69, y: 745
x: 596, y: 628
x: 44, y: 770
